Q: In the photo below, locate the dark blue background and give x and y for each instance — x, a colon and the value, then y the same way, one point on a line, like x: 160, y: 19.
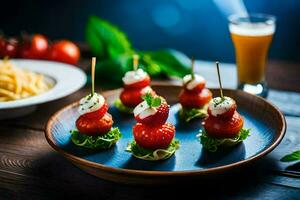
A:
x: 196, y: 27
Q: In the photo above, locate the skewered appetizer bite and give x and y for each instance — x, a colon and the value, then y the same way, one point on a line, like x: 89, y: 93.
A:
x: 224, y: 125
x: 153, y: 136
x: 136, y: 84
x: 94, y: 125
x: 194, y: 97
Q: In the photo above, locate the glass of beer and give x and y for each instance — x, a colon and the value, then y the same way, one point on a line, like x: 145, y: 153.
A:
x: 251, y: 36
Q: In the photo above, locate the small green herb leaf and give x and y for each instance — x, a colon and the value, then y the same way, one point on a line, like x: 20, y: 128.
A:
x: 156, y: 102
x: 148, y: 98
x: 291, y: 157
x: 152, y: 101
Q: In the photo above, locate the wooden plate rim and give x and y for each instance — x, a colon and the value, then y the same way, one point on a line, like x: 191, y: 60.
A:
x: 114, y: 170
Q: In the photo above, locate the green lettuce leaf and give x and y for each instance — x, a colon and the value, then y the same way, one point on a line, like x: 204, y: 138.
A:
x: 291, y: 157
x: 189, y: 114
x: 118, y: 104
x: 212, y: 144
x: 147, y: 154
x: 96, y: 142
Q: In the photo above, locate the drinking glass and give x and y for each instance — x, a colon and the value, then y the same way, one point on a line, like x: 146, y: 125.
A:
x: 252, y: 36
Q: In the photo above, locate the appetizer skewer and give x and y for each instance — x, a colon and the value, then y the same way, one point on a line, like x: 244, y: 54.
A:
x: 153, y: 136
x: 136, y: 84
x: 194, y: 97
x: 224, y: 125
x: 94, y: 125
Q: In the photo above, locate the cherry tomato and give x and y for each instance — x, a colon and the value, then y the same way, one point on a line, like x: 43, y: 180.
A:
x: 228, y: 114
x: 141, y: 84
x: 132, y: 97
x: 35, y: 47
x: 94, y: 127
x: 25, y: 52
x: 97, y: 114
x: 159, y: 118
x: 8, y: 47
x: 64, y: 51
x: 196, y: 89
x: 229, y: 128
x: 195, y: 100
x: 154, y: 137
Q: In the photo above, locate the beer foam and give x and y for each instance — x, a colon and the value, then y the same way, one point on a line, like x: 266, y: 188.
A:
x: 252, y: 29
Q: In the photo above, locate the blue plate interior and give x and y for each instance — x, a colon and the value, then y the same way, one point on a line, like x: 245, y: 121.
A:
x: 190, y: 156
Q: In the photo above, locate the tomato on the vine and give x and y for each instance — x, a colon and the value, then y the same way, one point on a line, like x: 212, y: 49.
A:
x: 8, y: 47
x: 34, y: 47
x: 64, y: 51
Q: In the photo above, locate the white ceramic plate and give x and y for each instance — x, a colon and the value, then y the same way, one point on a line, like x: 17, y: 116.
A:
x: 65, y: 78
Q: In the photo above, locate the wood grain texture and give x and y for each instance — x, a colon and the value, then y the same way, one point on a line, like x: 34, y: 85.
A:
x: 49, y: 176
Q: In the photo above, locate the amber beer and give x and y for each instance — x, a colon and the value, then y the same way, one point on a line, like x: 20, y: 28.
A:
x: 251, y: 37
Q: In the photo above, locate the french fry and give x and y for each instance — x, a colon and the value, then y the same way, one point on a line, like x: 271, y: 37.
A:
x: 16, y: 83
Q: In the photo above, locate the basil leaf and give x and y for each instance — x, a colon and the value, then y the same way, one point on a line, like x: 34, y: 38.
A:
x: 96, y: 142
x: 112, y: 70
x: 291, y: 157
x: 105, y: 39
x: 149, y: 65
x: 153, y: 155
x: 171, y: 62
x: 110, y: 44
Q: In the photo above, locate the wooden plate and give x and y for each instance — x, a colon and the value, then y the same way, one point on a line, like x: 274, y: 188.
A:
x: 190, y: 161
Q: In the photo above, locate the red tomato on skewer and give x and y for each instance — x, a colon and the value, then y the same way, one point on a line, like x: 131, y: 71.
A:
x: 196, y: 89
x: 132, y: 97
x: 140, y: 84
x: 94, y: 127
x: 228, y: 128
x: 193, y: 100
x: 154, y: 137
x: 159, y: 118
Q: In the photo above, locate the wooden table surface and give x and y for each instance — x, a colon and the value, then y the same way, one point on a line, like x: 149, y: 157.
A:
x: 31, y: 169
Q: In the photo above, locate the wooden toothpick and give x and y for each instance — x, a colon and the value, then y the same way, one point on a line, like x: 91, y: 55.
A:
x: 93, y: 74
x: 193, y: 67
x: 220, y: 83
x: 135, y: 62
